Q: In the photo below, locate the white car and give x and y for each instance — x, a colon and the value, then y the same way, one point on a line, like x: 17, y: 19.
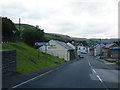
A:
x: 80, y: 54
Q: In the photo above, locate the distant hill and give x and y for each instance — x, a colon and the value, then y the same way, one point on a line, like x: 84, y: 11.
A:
x: 79, y: 39
x: 61, y: 37
x: 55, y: 36
x: 107, y: 41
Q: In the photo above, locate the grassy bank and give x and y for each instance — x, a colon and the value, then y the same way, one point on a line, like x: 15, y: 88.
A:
x: 109, y: 57
x: 27, y: 58
x: 112, y: 59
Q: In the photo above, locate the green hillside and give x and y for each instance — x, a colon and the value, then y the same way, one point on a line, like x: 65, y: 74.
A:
x: 60, y: 37
x: 27, y: 57
x: 49, y: 36
x: 79, y: 39
x: 24, y: 26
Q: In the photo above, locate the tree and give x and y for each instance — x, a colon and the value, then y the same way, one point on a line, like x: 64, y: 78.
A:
x: 33, y: 35
x: 8, y: 29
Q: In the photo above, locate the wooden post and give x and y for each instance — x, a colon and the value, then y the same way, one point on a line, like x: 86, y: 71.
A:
x: 38, y: 53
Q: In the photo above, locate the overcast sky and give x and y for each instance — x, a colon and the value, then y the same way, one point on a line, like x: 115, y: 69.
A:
x: 76, y: 18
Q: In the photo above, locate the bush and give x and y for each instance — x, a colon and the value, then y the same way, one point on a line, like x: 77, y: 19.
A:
x: 7, y: 30
x: 33, y: 35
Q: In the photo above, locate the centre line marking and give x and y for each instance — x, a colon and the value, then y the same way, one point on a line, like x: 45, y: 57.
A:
x: 99, y: 78
x: 94, y: 71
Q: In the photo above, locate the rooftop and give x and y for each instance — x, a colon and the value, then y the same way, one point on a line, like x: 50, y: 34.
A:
x: 64, y: 45
x: 115, y: 48
x: 110, y: 45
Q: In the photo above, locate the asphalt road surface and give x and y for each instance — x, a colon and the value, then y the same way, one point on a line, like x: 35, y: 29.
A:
x: 87, y: 72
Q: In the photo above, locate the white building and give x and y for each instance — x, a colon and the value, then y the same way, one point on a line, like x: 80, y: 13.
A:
x: 98, y: 49
x: 59, y: 49
x: 81, y: 48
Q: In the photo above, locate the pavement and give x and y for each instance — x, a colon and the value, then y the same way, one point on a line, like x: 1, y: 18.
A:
x: 87, y: 72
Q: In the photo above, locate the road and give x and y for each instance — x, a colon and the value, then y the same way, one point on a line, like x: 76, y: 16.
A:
x: 87, y: 72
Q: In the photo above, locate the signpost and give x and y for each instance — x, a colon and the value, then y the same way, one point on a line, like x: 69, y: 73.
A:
x: 14, y: 31
x: 41, y: 44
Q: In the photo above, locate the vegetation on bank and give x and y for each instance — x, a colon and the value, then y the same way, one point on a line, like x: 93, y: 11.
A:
x: 13, y: 33
x: 112, y: 59
x: 28, y: 60
x: 109, y: 57
x: 9, y: 31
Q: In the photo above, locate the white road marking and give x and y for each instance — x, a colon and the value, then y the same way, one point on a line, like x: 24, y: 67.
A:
x: 97, y: 75
x: 94, y: 71
x: 32, y: 79
x: 99, y: 78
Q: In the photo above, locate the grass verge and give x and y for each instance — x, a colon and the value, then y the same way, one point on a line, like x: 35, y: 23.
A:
x: 109, y: 57
x: 112, y: 59
x: 27, y: 58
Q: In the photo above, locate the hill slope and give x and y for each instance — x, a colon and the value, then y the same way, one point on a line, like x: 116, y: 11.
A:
x: 49, y: 36
x: 107, y: 41
x: 27, y: 57
x: 24, y: 26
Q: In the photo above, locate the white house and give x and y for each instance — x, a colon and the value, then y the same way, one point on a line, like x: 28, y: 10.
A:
x: 98, y: 49
x: 81, y: 48
x: 59, y: 49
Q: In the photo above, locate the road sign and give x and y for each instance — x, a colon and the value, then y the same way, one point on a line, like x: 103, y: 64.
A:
x: 41, y: 43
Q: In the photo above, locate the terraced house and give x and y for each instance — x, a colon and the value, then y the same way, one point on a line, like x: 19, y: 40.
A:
x: 59, y: 49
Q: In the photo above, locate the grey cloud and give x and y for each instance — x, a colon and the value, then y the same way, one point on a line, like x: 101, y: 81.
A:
x: 12, y: 9
x: 96, y: 28
x: 40, y: 14
x: 59, y: 18
x: 92, y: 8
x: 66, y: 26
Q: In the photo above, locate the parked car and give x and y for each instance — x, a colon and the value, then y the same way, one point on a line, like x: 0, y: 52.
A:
x: 80, y: 54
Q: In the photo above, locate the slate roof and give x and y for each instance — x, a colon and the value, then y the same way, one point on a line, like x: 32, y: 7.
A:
x: 64, y: 45
x: 109, y: 45
x: 115, y: 48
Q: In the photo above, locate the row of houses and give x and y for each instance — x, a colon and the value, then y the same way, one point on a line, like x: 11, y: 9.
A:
x: 62, y: 50
x: 109, y: 50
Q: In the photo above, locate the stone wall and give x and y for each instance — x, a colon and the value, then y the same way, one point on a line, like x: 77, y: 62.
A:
x: 8, y: 61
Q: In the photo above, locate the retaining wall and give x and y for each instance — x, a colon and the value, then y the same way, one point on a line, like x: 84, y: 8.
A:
x: 8, y: 61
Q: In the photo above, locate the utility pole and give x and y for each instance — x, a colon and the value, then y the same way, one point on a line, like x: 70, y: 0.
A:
x: 19, y: 28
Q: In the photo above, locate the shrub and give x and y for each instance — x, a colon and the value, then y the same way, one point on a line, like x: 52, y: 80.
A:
x: 33, y: 35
